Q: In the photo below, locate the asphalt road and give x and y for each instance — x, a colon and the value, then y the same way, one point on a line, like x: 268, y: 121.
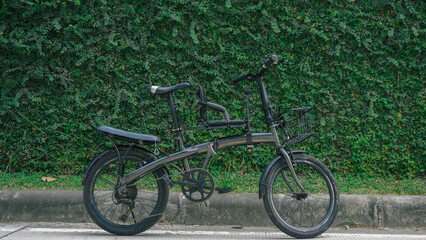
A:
x: 65, y: 231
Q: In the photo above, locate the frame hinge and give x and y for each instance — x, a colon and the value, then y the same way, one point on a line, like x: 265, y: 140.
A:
x: 249, y: 142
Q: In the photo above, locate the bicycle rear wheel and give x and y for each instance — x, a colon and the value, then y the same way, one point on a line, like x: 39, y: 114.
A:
x: 128, y: 214
x: 301, y: 214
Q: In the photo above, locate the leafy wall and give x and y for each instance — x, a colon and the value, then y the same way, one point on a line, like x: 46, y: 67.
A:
x: 67, y: 67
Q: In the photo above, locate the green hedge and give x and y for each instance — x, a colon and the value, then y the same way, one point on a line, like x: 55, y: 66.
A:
x: 67, y: 67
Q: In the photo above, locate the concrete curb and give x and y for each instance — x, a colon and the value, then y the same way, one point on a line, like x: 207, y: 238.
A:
x: 375, y: 211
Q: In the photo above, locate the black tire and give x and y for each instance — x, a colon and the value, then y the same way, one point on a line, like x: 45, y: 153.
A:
x: 144, y: 204
x: 293, y: 212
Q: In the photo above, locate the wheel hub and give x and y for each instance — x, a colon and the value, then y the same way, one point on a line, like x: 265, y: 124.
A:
x: 130, y: 193
x: 300, y: 196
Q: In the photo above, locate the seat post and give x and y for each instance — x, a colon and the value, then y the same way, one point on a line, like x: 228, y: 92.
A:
x: 173, y: 111
x: 178, y: 130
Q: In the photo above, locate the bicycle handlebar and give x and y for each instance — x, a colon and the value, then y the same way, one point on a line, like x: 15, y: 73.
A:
x: 269, y: 62
x: 240, y: 78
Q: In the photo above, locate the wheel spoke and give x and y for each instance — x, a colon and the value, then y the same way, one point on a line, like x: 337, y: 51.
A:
x: 319, y: 198
x: 106, y: 181
x: 284, y: 193
x: 98, y: 195
x: 148, y: 199
x: 142, y: 207
x: 109, y: 209
x: 299, y: 203
x: 115, y: 210
x: 133, y: 216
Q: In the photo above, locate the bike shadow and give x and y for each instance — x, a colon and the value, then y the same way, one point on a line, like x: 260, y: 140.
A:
x: 207, y: 235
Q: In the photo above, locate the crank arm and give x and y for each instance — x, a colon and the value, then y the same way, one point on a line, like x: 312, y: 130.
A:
x: 183, y: 183
x: 190, y: 184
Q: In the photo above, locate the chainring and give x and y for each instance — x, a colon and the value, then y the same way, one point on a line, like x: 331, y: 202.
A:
x: 204, y: 182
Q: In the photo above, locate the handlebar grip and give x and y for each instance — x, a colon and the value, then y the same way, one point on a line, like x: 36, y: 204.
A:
x: 268, y: 62
x: 239, y: 78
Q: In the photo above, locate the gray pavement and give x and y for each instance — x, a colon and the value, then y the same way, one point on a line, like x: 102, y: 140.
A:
x: 372, y: 211
x: 65, y: 231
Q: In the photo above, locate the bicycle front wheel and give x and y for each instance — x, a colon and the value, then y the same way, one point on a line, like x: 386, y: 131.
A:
x: 301, y: 214
x: 136, y: 211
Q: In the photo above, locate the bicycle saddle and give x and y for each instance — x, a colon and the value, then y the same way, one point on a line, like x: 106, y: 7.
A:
x: 164, y: 90
x: 142, y: 139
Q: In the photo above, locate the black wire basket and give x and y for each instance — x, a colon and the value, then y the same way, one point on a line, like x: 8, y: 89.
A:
x: 295, y: 125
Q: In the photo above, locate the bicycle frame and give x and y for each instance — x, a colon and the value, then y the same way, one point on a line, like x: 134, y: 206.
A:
x: 257, y: 138
x: 120, y: 201
x: 207, y: 147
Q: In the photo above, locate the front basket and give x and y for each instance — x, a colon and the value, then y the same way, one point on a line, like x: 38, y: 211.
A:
x: 295, y: 125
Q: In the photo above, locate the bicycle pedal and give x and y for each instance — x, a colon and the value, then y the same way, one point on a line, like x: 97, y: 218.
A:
x: 223, y: 190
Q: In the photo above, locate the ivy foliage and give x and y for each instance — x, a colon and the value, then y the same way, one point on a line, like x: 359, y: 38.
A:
x: 68, y: 66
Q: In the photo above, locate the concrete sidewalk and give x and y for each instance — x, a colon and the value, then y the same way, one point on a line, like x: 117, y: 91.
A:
x: 374, y: 211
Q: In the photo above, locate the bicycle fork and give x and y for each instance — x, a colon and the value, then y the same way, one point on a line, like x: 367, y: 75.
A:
x: 293, y: 173
x: 288, y: 161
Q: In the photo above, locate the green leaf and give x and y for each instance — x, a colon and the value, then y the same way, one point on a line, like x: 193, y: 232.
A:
x: 415, y: 32
x: 391, y: 32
